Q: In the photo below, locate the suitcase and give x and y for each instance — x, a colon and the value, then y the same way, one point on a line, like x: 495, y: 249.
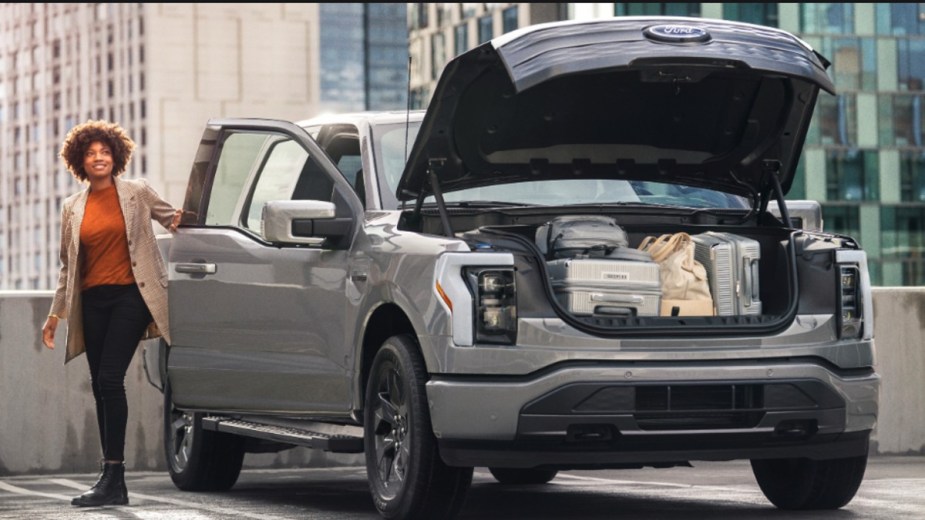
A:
x: 573, y: 235
x: 731, y: 262
x: 602, y: 287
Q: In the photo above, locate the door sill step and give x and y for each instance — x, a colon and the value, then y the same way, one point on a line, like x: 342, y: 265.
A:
x: 299, y: 437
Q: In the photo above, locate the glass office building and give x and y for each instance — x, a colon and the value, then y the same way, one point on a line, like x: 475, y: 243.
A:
x: 364, y: 56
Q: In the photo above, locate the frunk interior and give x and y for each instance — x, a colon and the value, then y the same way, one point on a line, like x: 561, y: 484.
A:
x: 796, y: 270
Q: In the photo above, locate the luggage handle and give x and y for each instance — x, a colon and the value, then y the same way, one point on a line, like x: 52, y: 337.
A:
x: 617, y: 298
x: 749, y: 275
x: 611, y: 310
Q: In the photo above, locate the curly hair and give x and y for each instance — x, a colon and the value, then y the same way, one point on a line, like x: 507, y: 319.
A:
x: 80, y: 137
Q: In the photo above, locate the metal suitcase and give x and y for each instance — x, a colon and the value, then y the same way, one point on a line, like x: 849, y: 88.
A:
x: 602, y: 287
x: 731, y: 262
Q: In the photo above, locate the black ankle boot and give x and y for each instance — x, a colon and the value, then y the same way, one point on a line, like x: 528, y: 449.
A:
x: 108, y: 491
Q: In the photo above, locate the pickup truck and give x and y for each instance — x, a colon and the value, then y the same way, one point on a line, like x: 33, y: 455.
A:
x: 373, y: 283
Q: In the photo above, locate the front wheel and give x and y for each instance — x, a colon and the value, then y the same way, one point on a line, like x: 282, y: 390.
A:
x: 798, y: 484
x: 197, y: 459
x: 407, y: 478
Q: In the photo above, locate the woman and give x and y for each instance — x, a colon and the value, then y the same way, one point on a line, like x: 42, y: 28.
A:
x: 112, y: 287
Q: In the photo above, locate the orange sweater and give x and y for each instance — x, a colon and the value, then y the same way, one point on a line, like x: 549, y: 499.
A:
x: 103, y: 242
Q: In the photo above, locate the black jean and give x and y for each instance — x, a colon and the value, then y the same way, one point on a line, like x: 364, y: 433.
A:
x: 115, y: 318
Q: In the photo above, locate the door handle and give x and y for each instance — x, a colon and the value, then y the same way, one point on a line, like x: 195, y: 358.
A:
x: 195, y: 268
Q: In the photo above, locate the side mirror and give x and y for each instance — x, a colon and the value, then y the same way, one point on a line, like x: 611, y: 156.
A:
x: 310, y: 222
x: 804, y: 214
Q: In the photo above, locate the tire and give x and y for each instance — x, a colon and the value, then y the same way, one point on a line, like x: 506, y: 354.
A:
x: 797, y: 484
x: 197, y: 459
x: 407, y: 478
x: 513, y: 476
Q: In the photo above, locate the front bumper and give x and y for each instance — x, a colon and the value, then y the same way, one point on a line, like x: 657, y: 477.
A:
x: 593, y: 414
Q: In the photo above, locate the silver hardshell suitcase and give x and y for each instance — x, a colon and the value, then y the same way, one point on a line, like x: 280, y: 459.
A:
x: 603, y: 287
x: 731, y: 262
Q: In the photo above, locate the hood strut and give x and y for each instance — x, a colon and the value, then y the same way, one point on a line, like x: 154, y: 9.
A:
x: 433, y: 165
x: 779, y: 194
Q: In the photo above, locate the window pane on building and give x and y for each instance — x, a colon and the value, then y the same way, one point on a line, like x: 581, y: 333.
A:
x: 509, y: 19
x: 834, y: 18
x: 657, y: 8
x: 843, y: 219
x: 901, y: 19
x: 798, y: 186
x: 438, y: 54
x: 486, y: 31
x: 911, y: 64
x: 761, y: 14
x: 912, y: 176
x: 907, y: 112
x: 902, y: 241
x: 461, y: 39
x: 851, y: 175
x: 837, y: 117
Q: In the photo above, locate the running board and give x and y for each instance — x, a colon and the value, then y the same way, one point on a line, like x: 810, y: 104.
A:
x: 300, y: 437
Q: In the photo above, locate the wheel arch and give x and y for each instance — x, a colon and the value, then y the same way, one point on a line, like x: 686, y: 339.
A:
x: 384, y: 321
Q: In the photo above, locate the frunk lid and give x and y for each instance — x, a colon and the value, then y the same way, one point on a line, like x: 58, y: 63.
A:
x: 708, y: 103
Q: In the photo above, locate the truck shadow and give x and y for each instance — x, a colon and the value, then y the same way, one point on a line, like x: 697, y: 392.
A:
x: 348, y: 497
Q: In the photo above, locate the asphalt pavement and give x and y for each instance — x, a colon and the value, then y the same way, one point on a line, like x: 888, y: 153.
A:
x: 892, y: 489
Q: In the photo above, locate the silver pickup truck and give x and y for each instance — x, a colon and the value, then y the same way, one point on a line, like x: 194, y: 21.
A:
x: 376, y: 283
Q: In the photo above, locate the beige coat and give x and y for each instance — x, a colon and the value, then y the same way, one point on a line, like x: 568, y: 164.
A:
x: 140, y: 204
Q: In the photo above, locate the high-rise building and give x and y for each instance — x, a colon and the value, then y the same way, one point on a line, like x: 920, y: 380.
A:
x: 864, y: 158
x: 440, y: 31
x: 162, y: 70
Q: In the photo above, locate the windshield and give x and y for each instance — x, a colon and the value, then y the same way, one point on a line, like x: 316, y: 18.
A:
x: 391, y: 148
x: 391, y: 145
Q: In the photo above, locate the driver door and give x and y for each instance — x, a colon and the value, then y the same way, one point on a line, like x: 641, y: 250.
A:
x: 259, y: 326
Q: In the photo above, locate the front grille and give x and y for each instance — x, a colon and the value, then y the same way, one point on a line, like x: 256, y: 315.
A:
x: 677, y: 405
x: 696, y: 407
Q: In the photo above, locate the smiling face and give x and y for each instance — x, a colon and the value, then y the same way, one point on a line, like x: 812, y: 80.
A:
x: 98, y: 162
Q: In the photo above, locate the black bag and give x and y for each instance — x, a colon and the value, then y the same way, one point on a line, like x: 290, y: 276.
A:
x: 570, y: 236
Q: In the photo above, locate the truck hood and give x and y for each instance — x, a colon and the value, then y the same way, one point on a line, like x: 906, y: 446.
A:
x: 692, y: 101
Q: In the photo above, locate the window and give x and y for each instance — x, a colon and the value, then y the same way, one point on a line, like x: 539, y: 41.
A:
x: 418, y: 14
x: 467, y: 10
x: 486, y: 30
x: 827, y: 18
x: 900, y: 19
x: 901, y: 120
x: 761, y: 14
x: 419, y: 98
x: 902, y: 241
x: 509, y: 19
x: 657, y: 8
x: 255, y: 168
x: 854, y: 62
x: 911, y: 66
x: 837, y: 120
x: 276, y: 179
x: 851, y: 175
x: 444, y: 14
x: 239, y: 156
x: 437, y: 55
x: 461, y: 41
x: 798, y: 185
x: 844, y: 219
x: 912, y: 176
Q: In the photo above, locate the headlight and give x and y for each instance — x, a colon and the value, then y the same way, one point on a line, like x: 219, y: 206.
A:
x: 850, y: 313
x: 495, y: 304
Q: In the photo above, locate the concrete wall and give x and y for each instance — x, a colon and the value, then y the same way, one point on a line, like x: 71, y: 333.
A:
x: 47, y: 414
x: 47, y: 418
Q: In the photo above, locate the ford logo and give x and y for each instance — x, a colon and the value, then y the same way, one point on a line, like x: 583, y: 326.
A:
x: 677, y: 33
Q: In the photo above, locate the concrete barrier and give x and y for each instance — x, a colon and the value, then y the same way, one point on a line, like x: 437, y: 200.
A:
x: 48, y: 422
x: 47, y: 414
